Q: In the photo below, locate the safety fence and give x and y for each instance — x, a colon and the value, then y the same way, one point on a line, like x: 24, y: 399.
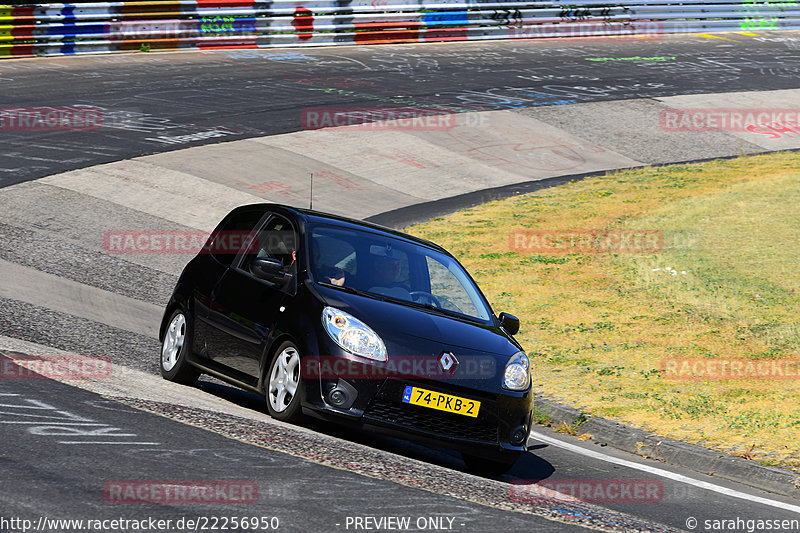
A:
x: 94, y: 27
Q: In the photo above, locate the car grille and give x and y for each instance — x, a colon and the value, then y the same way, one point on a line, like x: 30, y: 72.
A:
x: 437, y: 422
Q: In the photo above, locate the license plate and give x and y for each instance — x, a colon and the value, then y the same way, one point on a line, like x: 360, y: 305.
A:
x: 441, y: 402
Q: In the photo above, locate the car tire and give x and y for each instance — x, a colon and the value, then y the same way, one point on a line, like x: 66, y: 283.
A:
x: 488, y: 467
x: 282, y: 390
x: 177, y: 343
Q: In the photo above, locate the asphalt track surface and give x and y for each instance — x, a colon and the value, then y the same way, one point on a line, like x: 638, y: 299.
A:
x: 148, y: 99
x: 312, y: 478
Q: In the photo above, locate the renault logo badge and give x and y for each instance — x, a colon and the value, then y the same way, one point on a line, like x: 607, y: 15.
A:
x: 448, y: 362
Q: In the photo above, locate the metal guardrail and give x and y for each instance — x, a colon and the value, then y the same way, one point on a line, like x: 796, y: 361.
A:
x: 104, y: 27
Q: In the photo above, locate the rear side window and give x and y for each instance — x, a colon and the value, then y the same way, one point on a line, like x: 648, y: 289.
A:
x: 227, y: 239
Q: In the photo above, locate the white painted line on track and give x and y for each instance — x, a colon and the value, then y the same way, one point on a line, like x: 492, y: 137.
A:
x: 104, y: 442
x: 41, y: 423
x: 664, y: 473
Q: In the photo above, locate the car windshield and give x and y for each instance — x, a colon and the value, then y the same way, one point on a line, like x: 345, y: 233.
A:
x: 390, y: 268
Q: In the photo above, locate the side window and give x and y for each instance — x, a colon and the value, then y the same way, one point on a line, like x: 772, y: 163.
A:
x: 449, y: 290
x: 276, y: 240
x: 228, y: 238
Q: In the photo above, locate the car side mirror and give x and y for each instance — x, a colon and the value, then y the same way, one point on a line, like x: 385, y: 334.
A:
x: 268, y: 269
x: 510, y: 323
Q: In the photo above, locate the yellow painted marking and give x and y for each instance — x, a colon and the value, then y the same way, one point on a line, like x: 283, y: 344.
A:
x: 709, y: 36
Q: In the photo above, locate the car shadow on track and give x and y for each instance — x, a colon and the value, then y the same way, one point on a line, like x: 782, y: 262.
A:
x: 527, y: 469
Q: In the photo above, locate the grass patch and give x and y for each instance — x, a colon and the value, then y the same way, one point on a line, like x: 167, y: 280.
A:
x: 597, y: 326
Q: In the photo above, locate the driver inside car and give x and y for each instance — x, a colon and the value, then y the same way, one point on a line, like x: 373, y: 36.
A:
x: 387, y: 268
x: 327, y: 274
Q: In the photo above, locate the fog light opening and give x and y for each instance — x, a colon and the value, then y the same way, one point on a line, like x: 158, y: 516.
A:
x: 337, y: 397
x: 342, y: 395
x: 519, y: 435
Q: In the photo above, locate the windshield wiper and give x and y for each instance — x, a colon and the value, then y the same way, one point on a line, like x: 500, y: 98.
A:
x: 383, y: 298
x: 433, y: 308
x: 351, y: 290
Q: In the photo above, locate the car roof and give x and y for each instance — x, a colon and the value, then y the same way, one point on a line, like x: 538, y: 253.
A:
x: 309, y: 216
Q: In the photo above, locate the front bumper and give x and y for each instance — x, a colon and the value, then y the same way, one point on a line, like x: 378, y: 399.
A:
x: 379, y: 407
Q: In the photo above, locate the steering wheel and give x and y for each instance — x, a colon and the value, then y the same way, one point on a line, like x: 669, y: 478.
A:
x: 422, y: 296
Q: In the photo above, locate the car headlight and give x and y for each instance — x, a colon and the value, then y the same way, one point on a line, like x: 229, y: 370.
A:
x: 517, y: 375
x: 353, y: 335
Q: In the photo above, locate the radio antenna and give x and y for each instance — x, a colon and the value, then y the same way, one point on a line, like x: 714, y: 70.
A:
x: 311, y: 193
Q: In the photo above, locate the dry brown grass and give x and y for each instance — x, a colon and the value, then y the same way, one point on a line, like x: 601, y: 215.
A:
x: 597, y: 326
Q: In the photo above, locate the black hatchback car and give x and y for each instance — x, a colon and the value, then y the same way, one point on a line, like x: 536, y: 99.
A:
x: 351, y: 322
